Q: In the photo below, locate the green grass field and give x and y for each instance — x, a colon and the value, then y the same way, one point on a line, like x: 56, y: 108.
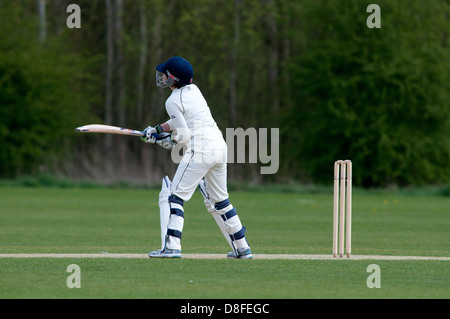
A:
x: 99, y: 220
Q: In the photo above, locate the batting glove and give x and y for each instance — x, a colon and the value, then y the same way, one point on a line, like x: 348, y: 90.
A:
x: 166, y: 142
x: 148, y: 137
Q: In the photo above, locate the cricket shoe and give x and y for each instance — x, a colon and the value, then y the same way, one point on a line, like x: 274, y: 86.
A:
x: 166, y: 253
x: 243, y: 253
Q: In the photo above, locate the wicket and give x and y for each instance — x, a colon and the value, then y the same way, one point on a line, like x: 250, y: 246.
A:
x: 342, y: 207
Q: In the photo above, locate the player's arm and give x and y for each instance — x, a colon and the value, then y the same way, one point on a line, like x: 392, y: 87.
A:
x: 165, y: 140
x: 164, y: 127
x: 150, y: 131
x: 177, y: 123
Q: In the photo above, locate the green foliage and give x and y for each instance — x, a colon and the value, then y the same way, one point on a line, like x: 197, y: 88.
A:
x: 334, y: 87
x: 377, y: 96
x: 41, y: 94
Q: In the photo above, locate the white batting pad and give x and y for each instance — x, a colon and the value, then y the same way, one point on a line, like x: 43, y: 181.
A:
x: 212, y: 210
x: 164, y: 209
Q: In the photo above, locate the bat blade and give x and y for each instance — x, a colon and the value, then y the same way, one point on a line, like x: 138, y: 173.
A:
x: 108, y: 129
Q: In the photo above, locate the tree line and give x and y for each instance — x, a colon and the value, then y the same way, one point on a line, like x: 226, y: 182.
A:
x: 335, y: 88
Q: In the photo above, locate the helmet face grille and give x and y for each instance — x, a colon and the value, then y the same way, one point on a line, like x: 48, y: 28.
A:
x: 160, y: 80
x: 178, y: 72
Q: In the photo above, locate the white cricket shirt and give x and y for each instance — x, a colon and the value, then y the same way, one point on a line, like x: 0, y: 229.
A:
x: 191, y: 119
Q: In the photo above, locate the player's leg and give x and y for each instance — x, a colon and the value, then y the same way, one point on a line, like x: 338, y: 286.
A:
x: 212, y: 210
x: 164, y: 209
x: 184, y: 183
x: 175, y: 224
x: 216, y: 184
x: 188, y: 175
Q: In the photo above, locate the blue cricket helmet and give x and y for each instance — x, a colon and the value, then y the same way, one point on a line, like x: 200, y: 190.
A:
x: 178, y: 70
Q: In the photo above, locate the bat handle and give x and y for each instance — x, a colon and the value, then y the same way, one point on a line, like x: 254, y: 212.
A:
x: 160, y: 136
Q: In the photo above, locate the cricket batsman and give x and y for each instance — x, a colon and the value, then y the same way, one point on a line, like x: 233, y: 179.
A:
x: 203, y: 164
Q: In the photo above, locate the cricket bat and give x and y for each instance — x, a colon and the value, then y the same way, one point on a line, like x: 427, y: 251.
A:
x: 109, y: 129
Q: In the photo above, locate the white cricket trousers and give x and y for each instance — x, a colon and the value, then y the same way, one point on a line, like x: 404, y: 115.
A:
x: 210, y: 165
